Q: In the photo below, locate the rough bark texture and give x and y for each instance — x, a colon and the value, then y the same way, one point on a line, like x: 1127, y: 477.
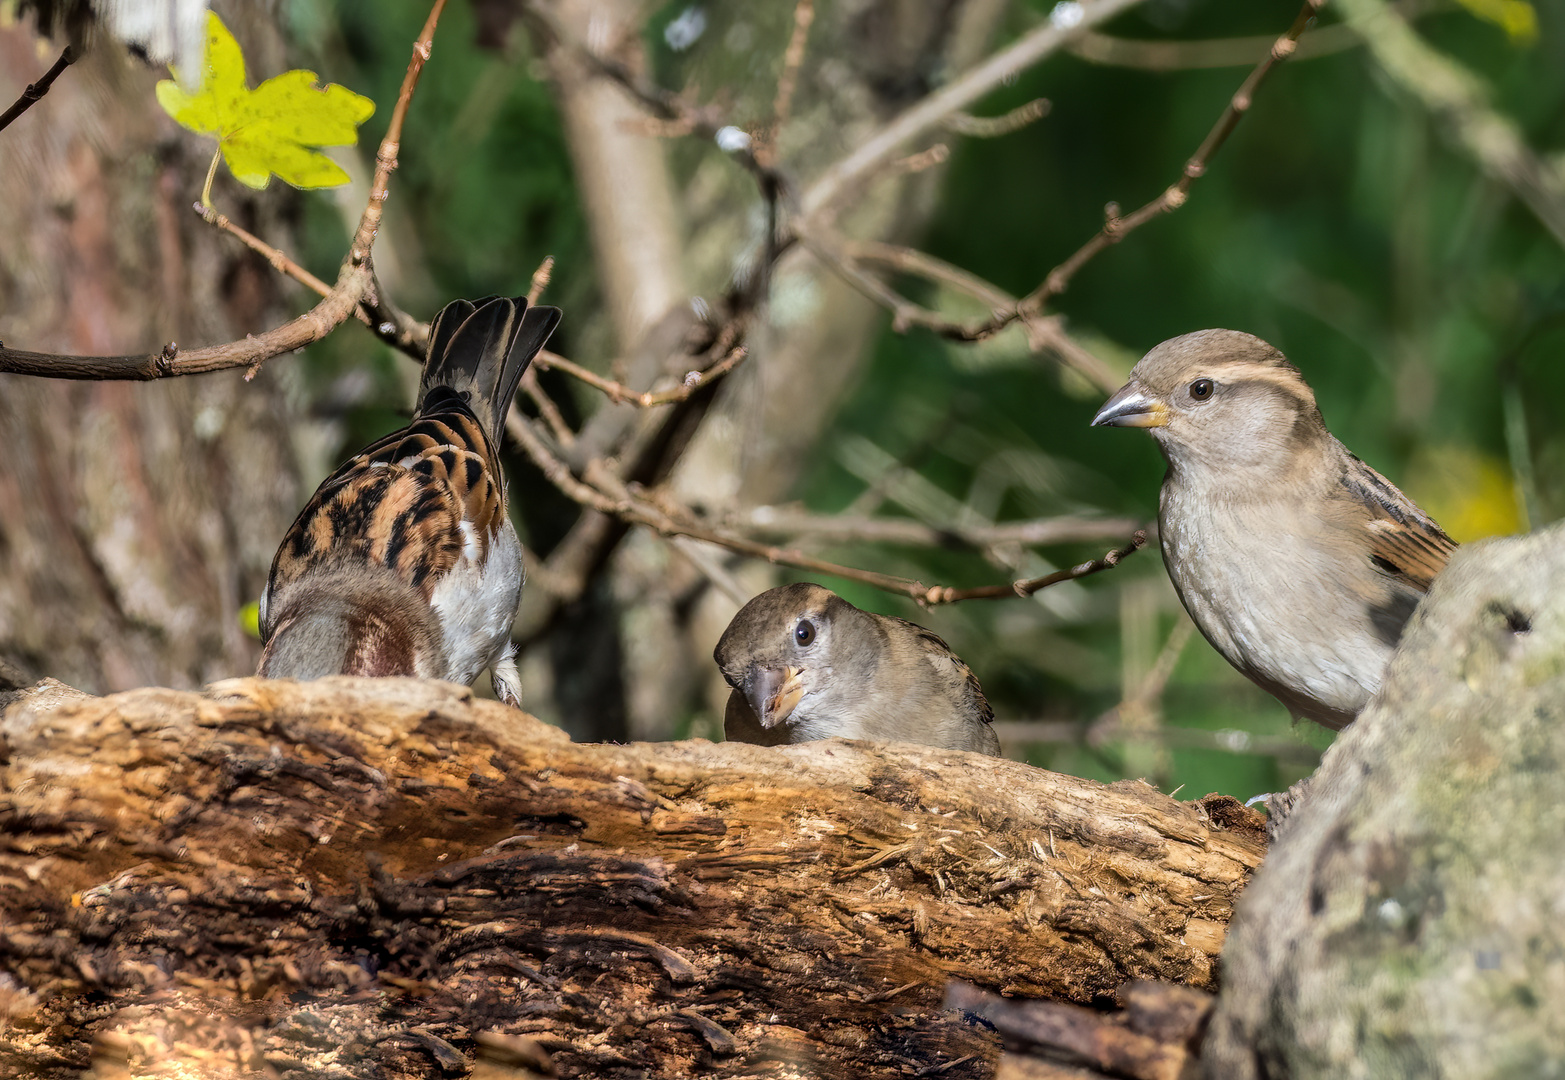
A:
x: 134, y: 519
x: 1153, y: 1035
x: 1408, y: 921
x: 381, y: 877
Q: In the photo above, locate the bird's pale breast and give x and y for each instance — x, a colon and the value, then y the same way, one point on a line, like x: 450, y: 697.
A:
x: 476, y: 602
x: 1267, y: 588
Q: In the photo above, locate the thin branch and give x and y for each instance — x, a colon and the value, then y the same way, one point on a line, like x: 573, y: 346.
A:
x: 992, y: 127
x: 851, y: 172
x: 277, y: 257
x: 927, y: 266
x: 393, y: 325
x: 937, y: 154
x: 353, y: 281
x: 540, y: 280
x: 385, y: 320
x: 1116, y: 228
x: 1029, y: 310
x: 547, y: 408
x: 601, y: 490
x: 1044, y: 332
x: 783, y: 522
x: 709, y: 563
x: 677, y: 116
x: 1201, y: 55
x: 788, y: 81
x: 1226, y: 52
x: 1027, y: 587
x: 1156, y: 680
x: 37, y: 90
x: 643, y: 399
x: 391, y: 145
x: 556, y: 471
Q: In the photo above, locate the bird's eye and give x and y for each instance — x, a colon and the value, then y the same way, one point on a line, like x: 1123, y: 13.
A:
x: 804, y: 633
x: 1201, y: 389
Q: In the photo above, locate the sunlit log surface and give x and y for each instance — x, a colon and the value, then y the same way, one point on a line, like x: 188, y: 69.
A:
x: 392, y: 878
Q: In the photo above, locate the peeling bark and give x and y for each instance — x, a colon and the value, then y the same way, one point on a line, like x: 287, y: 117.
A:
x: 387, y: 877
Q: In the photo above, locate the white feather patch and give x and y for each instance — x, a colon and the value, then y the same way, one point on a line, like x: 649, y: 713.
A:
x: 470, y: 545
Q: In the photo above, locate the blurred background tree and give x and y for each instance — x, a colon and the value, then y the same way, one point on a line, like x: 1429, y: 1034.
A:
x: 1346, y: 221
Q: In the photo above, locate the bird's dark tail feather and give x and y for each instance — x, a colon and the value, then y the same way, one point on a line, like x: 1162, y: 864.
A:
x: 480, y: 349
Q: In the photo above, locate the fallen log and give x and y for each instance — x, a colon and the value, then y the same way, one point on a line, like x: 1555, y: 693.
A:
x: 355, y: 878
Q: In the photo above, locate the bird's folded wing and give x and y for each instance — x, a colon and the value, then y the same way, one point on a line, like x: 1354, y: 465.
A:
x: 1403, y: 540
x: 416, y: 502
x: 939, y: 654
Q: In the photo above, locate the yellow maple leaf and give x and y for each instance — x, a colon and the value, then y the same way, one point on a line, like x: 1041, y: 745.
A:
x: 271, y: 129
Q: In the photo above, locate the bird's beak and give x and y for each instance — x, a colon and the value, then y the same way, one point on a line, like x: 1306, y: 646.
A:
x: 773, y: 693
x: 1132, y: 406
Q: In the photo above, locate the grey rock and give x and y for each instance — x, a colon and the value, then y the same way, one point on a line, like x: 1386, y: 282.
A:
x: 1409, y: 921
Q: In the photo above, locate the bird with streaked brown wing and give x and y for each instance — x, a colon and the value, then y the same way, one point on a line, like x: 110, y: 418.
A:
x: 1297, y: 561
x: 405, y: 562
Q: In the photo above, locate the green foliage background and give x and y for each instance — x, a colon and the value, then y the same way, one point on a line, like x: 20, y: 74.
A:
x: 1425, y: 305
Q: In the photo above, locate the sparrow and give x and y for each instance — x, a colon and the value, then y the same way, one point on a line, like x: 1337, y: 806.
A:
x: 1297, y: 561
x: 405, y: 562
x: 805, y: 664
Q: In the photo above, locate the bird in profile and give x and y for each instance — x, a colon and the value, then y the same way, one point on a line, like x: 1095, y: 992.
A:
x: 405, y: 562
x: 1297, y: 561
x: 805, y: 664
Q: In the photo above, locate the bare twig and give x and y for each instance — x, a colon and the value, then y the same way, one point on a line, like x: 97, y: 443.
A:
x: 992, y: 127
x: 917, y: 262
x: 1045, y: 332
x: 341, y: 301
x: 788, y: 81
x: 277, y: 257
x: 677, y: 116
x: 391, y: 145
x: 1198, y: 55
x: 643, y: 399
x: 601, y: 490
x: 385, y: 320
x: 540, y: 280
x: 38, y: 89
x: 937, y: 154
x: 1028, y: 310
x: 1156, y: 681
x: 1226, y: 52
x: 938, y: 595
x: 1117, y: 228
x: 709, y: 562
x: 546, y: 407
x: 834, y: 186
x: 393, y: 325
x: 783, y: 522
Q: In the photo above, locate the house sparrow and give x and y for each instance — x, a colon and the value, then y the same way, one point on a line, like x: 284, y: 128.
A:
x: 405, y: 561
x: 806, y: 664
x: 1299, y: 562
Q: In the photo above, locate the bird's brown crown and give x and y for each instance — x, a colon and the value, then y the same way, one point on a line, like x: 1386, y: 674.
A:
x: 1231, y: 356
x: 765, y: 624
